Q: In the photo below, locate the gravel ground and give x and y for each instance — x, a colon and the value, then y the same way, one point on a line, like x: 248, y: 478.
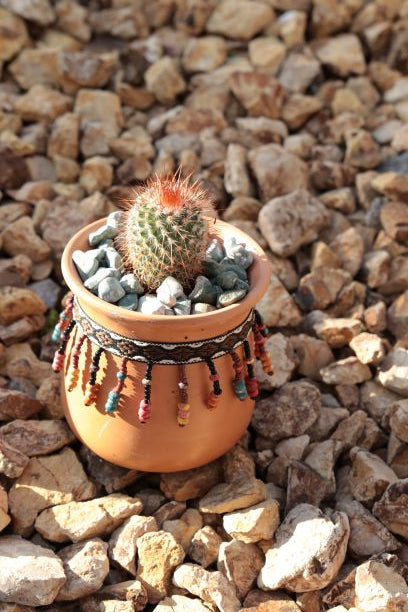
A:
x: 293, y: 114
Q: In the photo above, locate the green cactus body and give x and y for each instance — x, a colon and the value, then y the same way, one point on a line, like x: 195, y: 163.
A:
x: 165, y: 233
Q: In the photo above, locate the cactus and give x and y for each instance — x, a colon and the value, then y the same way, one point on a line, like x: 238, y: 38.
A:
x: 165, y: 232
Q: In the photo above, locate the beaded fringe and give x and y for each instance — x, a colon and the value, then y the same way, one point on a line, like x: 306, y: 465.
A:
x: 244, y: 381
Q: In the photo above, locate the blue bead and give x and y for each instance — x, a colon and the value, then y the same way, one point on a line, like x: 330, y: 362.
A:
x: 240, y: 389
x: 56, y: 335
x: 121, y: 375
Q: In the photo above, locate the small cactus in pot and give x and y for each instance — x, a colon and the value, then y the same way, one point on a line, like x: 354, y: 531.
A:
x: 165, y: 232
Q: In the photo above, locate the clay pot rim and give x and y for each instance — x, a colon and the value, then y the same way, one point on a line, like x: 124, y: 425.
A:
x: 260, y: 269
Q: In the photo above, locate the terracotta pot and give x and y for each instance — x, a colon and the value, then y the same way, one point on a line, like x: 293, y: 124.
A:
x: 159, y: 445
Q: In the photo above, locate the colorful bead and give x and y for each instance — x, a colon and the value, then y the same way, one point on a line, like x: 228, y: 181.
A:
x: 63, y: 321
x: 183, y: 413
x: 240, y: 389
x: 58, y: 362
x: 213, y: 400
x: 112, y: 401
x: 250, y: 380
x: 91, y: 393
x: 73, y: 378
x: 183, y: 408
x: 238, y: 382
x: 144, y: 411
x: 252, y: 387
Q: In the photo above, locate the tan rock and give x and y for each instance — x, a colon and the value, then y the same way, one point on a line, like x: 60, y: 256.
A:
x: 290, y: 411
x: 349, y: 247
x: 362, y: 151
x: 211, y: 587
x: 34, y: 438
x: 159, y: 554
x: 123, y: 541
x: 367, y: 535
x: 121, y: 21
x: 164, y: 80
x: 277, y: 307
x: 369, y: 476
x: 45, y: 482
x: 184, y: 528
x: 266, y: 53
x: 310, y: 548
x: 242, y: 20
x: 393, y: 371
x: 204, y: 54
x: 322, y: 459
x: 35, y: 66
x: 226, y: 497
x: 85, y: 69
x: 236, y: 179
x: 13, y: 36
x: 279, y: 173
x: 4, y: 517
x: 15, y: 404
x: 398, y: 418
x: 392, y: 508
x: 299, y: 70
x: 379, y: 587
x: 393, y: 216
x: 238, y: 464
x: 96, y: 175
x: 48, y: 394
x: 204, y: 546
x: 12, y: 461
x: 298, y: 109
x: 101, y: 119
x: 86, y: 566
x: 312, y: 355
x: 375, y: 318
x: 179, y: 603
x: 350, y: 430
x: 345, y: 371
x: 343, y: 54
x: 276, y: 601
x: 20, y: 237
x: 338, y: 332
x: 376, y: 267
x: 342, y: 199
x: 397, y: 319
x: 259, y: 93
x: 78, y: 521
x: 42, y: 104
x: 369, y: 348
x: 190, y: 484
x: 29, y: 574
x: 240, y: 563
x: 64, y: 137
x: 253, y: 524
x: 16, y: 303
x: 284, y: 362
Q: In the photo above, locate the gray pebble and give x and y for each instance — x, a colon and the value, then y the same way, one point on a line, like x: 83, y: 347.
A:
x: 48, y: 290
x: 215, y: 251
x: 227, y: 279
x: 113, y: 259
x: 169, y: 291
x: 131, y: 284
x: 229, y: 266
x: 169, y: 312
x: 203, y: 291
x: 129, y: 301
x: 114, y: 219
x: 211, y: 268
x: 240, y: 284
x: 182, y: 307
x: 238, y: 253
x: 93, y: 281
x: 110, y: 290
x: 230, y: 297
x: 100, y: 234
x: 86, y: 263
x: 149, y: 304
x: 201, y: 308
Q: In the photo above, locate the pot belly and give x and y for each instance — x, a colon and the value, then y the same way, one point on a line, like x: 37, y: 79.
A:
x: 160, y: 445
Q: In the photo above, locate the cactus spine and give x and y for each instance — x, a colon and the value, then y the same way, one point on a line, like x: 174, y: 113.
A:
x: 165, y: 232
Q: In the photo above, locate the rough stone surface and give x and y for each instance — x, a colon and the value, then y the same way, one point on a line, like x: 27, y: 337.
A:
x: 86, y: 566
x: 123, y: 541
x: 253, y: 524
x: 211, y: 587
x: 228, y: 497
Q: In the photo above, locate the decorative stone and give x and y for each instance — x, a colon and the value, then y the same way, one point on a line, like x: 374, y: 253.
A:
x: 266, y: 53
x: 29, y: 574
x: 123, y: 542
x: 211, y: 587
x: 227, y: 497
x: 20, y: 237
x: 338, y: 332
x: 379, y: 587
x: 86, y: 262
x: 290, y: 221
x: 369, y: 348
x: 102, y: 233
x: 203, y: 292
x: 169, y: 291
x: 129, y: 301
x: 86, y: 566
x: 200, y: 308
x: 190, y: 484
x: 343, y: 54
x: 17, y: 405
x: 204, y: 546
x: 393, y: 373
x: 230, y: 297
x: 242, y: 20
x: 4, y: 517
x: 393, y: 216
x: 42, y: 104
x: 183, y: 307
x: 45, y: 482
x: 14, y: 35
x: 159, y: 554
x: 164, y: 80
x: 392, y: 508
x: 179, y: 603
x: 284, y: 362
x: 110, y: 290
x: 12, y: 462
x: 204, y: 54
x: 184, y: 528
x: 240, y: 563
x: 131, y: 284
x: 78, y: 521
x: 290, y: 411
x: 310, y: 548
x: 253, y: 524
x: 35, y: 438
x: 345, y: 371
x: 149, y: 304
x: 16, y: 303
x: 369, y: 476
x: 260, y: 94
x: 92, y: 283
x: 278, y: 173
x: 277, y: 307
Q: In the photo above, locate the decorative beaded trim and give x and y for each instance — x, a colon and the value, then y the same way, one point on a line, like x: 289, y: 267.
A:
x: 170, y: 353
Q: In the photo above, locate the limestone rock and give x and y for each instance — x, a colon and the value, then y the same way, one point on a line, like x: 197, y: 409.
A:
x: 393, y: 216
x: 128, y: 592
x: 369, y: 476
x: 266, y: 53
x: 369, y: 348
x: 20, y: 237
x: 159, y: 554
x: 260, y: 94
x: 240, y: 20
x: 45, y: 482
x: 345, y: 371
x: 226, y: 497
x: 277, y: 307
x: 312, y: 355
x: 204, y: 53
x: 35, y: 438
x: 78, y: 521
x: 393, y: 372
x: 321, y: 287
x: 86, y: 566
x: 279, y: 173
x: 17, y: 405
x: 184, y: 528
x: 42, y: 104
x: 4, y: 517
x: 123, y: 541
x: 392, y: 508
x: 379, y: 587
x: 253, y: 524
x: 290, y: 411
x: 343, y: 54
x: 310, y: 548
x: 397, y: 316
x: 338, y: 332
x: 240, y: 563
x: 211, y: 587
x: 290, y: 221
x: 283, y: 359
x: 204, y: 546
x: 29, y: 574
x: 190, y: 484
x: 238, y: 464
x: 164, y: 80
x: 13, y: 36
x: 12, y: 461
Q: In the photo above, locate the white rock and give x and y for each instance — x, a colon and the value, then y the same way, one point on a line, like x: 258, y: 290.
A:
x: 255, y: 523
x: 380, y: 588
x: 212, y: 587
x: 123, y: 541
x: 86, y: 566
x: 149, y: 304
x: 393, y: 372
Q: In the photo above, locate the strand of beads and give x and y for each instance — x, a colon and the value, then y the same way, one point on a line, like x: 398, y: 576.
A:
x: 260, y: 333
x: 250, y: 380
x: 73, y: 376
x: 214, y: 396
x: 114, y: 396
x: 59, y: 357
x: 238, y: 382
x: 92, y: 387
x: 145, y: 410
x: 63, y: 321
x: 183, y: 409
